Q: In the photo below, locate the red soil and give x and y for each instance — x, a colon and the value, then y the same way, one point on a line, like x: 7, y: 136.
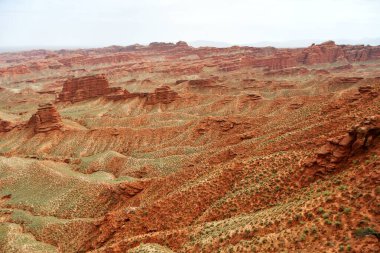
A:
x: 236, y: 149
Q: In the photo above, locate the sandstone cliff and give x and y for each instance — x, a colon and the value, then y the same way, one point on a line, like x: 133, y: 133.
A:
x: 45, y: 119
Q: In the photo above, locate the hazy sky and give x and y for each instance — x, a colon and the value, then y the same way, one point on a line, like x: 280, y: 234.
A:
x: 83, y: 23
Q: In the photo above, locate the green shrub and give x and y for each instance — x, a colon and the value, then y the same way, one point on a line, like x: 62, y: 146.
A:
x: 361, y: 232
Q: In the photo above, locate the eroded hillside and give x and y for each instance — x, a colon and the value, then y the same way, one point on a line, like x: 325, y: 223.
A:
x: 170, y: 148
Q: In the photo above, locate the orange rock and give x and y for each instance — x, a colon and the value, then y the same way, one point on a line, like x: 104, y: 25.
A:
x: 163, y: 95
x: 82, y: 88
x: 6, y: 126
x: 46, y: 119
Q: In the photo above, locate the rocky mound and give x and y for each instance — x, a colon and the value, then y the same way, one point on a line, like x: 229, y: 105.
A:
x: 163, y: 95
x: 6, y: 126
x: 14, y: 70
x: 46, y: 119
x: 82, y: 88
x: 339, y: 149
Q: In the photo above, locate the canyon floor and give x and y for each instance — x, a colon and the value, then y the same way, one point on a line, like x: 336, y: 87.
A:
x: 170, y: 148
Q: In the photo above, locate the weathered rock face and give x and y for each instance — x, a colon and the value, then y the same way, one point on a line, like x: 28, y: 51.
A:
x: 45, y: 119
x: 82, y: 88
x: 14, y: 70
x: 163, y: 95
x: 327, y: 52
x: 350, y: 80
x: 339, y: 149
x: 361, y: 52
x: 343, y: 67
x: 288, y: 71
x: 330, y: 52
x: 342, y: 82
x: 6, y: 126
x: 254, y: 97
x: 323, y: 53
x: 278, y: 60
x: 201, y: 83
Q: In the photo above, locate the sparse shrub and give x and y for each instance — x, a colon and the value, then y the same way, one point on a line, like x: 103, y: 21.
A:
x: 347, y: 210
x: 338, y: 224
x: 361, y: 232
x: 302, y: 237
x: 314, y: 229
x: 326, y: 193
x: 342, y: 187
x: 309, y: 215
x: 320, y: 210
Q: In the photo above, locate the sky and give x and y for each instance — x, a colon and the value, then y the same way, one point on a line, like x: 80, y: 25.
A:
x: 98, y: 23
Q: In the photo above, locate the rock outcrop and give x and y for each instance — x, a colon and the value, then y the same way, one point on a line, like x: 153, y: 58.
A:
x: 201, y: 83
x: 6, y: 126
x: 163, y: 95
x: 323, y: 53
x: 288, y: 71
x: 339, y: 149
x: 46, y: 119
x: 367, y: 90
x: 254, y: 97
x: 343, y: 82
x: 82, y: 88
x: 14, y: 70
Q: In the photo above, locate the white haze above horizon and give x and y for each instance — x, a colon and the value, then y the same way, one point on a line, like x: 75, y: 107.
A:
x: 96, y: 23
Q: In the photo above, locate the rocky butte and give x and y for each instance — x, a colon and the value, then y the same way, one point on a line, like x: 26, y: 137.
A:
x: 82, y: 88
x: 46, y: 119
x: 87, y: 87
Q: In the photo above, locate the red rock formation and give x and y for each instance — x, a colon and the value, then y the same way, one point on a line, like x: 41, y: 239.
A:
x: 117, y: 93
x: 340, y: 82
x: 201, y: 83
x: 82, y: 88
x: 69, y: 61
x: 367, y: 89
x: 180, y: 81
x: 288, y: 71
x: 320, y: 72
x: 14, y: 70
x: 339, y: 149
x: 38, y: 66
x: 295, y: 105
x: 343, y: 67
x: 181, y: 44
x: 254, y: 97
x: 350, y: 80
x: 107, y: 59
x: 361, y: 53
x: 45, y: 119
x: 6, y: 126
x: 278, y: 60
x: 323, y: 53
x: 163, y: 95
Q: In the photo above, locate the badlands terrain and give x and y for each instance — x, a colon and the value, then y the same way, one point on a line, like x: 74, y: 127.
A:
x: 170, y: 148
